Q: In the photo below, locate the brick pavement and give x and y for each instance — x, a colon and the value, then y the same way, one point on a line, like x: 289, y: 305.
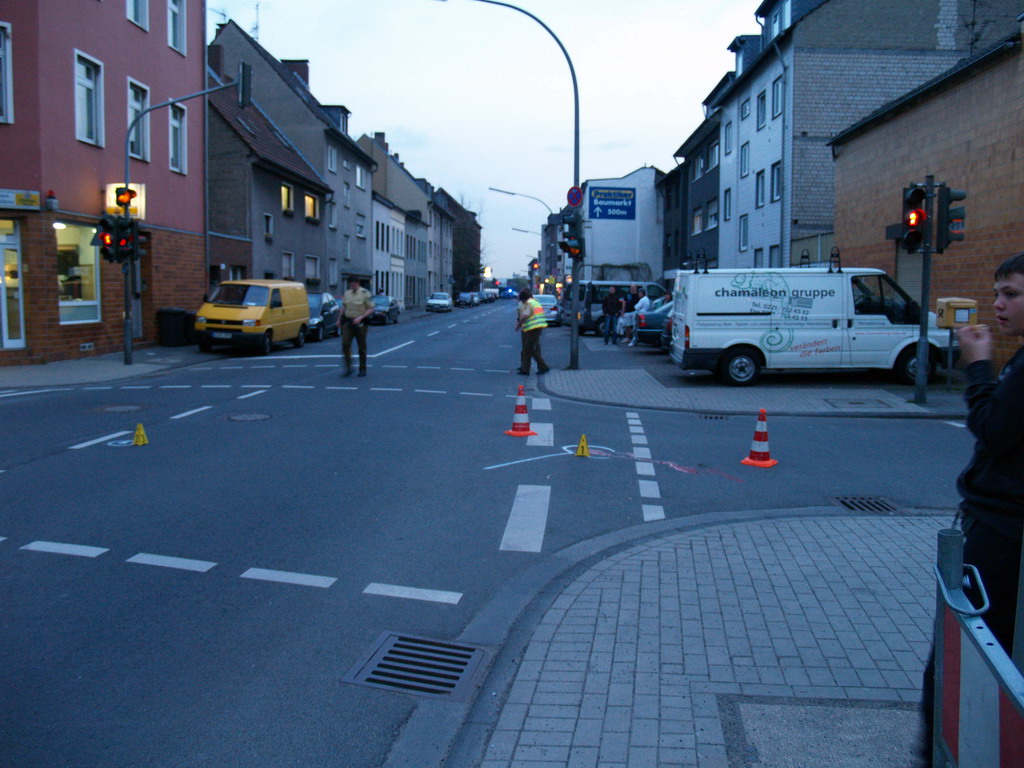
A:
x: 779, y: 642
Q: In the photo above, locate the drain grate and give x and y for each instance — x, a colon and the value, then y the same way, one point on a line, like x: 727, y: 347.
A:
x: 713, y: 416
x: 419, y: 666
x: 872, y: 504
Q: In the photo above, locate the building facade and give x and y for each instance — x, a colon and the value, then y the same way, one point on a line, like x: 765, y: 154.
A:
x: 67, y: 97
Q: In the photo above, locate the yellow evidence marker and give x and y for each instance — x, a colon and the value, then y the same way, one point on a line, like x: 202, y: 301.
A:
x: 582, y: 449
x: 140, y: 436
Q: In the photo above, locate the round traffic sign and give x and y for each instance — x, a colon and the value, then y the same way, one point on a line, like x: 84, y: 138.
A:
x: 575, y: 196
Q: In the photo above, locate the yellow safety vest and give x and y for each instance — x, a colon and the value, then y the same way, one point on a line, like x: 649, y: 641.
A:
x: 536, y: 319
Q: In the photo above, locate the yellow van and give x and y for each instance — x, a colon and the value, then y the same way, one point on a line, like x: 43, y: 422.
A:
x: 253, y: 313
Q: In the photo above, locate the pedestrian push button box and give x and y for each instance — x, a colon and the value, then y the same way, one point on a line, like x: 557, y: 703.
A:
x: 956, y: 313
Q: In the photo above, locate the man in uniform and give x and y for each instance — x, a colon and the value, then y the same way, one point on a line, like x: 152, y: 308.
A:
x: 357, y: 306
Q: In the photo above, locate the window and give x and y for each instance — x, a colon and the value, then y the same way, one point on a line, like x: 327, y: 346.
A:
x: 698, y: 214
x: 776, y: 181
x: 759, y: 189
x: 745, y: 158
x: 311, y: 205
x: 777, y: 96
x: 774, y: 256
x: 346, y: 194
x: 713, y: 155
x: 268, y: 226
x: 744, y: 232
x: 332, y: 271
x: 727, y: 138
x: 360, y: 176
x: 138, y: 101
x: 78, y: 274
x: 137, y: 12
x: 758, y: 258
x: 762, y: 109
x: 332, y: 215
x: 332, y: 159
x: 312, y: 268
x: 727, y: 205
x: 712, y: 214
x: 176, y: 25
x: 348, y: 248
x: 360, y: 225
x: 288, y: 265
x: 776, y: 24
x: 177, y: 134
x: 286, y: 199
x: 744, y: 109
x: 6, y: 81
x: 88, y: 100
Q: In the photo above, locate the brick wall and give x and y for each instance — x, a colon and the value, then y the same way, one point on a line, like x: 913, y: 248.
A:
x: 969, y: 136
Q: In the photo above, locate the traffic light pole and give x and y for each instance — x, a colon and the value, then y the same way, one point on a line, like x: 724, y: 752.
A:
x: 921, y: 375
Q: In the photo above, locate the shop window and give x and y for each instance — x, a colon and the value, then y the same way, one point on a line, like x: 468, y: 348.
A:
x: 78, y: 273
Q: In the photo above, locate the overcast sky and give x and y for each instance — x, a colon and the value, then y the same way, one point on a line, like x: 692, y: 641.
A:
x: 473, y: 95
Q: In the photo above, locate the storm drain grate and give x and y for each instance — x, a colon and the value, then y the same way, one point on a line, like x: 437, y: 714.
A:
x: 865, y: 503
x: 419, y: 666
x: 713, y: 416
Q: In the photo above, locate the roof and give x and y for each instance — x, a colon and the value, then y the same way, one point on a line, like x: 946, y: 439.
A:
x: 265, y: 141
x: 706, y: 129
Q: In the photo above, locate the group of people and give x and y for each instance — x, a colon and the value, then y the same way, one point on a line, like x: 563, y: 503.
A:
x: 620, y: 313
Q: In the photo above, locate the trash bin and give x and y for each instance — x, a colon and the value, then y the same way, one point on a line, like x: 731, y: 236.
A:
x: 170, y: 323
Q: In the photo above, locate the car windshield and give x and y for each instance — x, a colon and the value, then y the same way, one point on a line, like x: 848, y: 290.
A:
x: 464, y: 295
x: 239, y: 295
x: 315, y: 299
x: 546, y: 300
x: 382, y: 301
x: 441, y: 296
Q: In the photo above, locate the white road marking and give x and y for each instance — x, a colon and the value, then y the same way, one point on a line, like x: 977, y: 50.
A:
x: 294, y: 366
x: 394, y: 366
x: 542, y: 404
x: 649, y: 489
x: 495, y: 370
x: 429, y: 367
x: 325, y: 365
x: 477, y: 394
x: 463, y: 369
x: 545, y: 436
x: 641, y: 453
x: 256, y: 386
x: 56, y: 548
x: 433, y: 334
x: 639, y: 439
x: 350, y: 389
x: 215, y: 386
x: 192, y: 412
x: 524, y: 531
x: 632, y: 415
x: 103, y: 439
x: 135, y: 386
x: 636, y: 430
x: 645, y: 468
x: 31, y: 392
x: 392, y: 349
x: 653, y: 512
x: 232, y: 368
x: 263, y: 366
x: 385, y: 389
x: 163, y: 561
x: 432, y: 391
x: 175, y: 386
x: 412, y: 593
x: 296, y: 386
x: 95, y: 389
x: 251, y: 394
x: 957, y: 424
x: 286, y: 577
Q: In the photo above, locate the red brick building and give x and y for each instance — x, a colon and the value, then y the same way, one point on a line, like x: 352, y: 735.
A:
x: 965, y: 128
x: 72, y: 76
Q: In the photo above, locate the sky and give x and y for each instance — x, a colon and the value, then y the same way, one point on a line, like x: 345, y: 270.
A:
x: 473, y: 95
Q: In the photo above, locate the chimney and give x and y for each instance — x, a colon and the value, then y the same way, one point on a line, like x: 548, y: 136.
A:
x: 299, y: 67
x: 215, y: 57
x: 378, y: 137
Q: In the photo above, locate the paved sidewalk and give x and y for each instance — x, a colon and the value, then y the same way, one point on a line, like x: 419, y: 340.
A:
x: 792, y: 642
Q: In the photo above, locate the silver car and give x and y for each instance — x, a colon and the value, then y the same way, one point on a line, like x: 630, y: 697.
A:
x: 439, y: 302
x: 550, y: 304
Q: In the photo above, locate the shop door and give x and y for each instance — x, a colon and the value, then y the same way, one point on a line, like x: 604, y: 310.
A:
x: 12, y: 316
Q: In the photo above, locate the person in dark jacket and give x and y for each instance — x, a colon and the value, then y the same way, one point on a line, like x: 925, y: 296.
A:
x: 992, y: 494
x: 611, y: 308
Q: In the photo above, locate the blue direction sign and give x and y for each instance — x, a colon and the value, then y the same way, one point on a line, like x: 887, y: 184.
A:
x: 613, y: 203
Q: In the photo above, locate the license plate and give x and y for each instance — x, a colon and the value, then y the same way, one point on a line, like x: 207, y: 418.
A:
x: 220, y: 335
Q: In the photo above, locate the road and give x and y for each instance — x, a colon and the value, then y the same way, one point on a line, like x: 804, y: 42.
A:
x: 199, y: 600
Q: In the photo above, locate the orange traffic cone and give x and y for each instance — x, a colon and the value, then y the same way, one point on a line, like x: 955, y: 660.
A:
x: 760, y: 456
x: 520, y: 421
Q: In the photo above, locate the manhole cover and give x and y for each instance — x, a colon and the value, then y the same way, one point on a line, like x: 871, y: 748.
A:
x: 857, y: 404
x: 872, y: 504
x: 122, y: 408
x: 249, y: 417
x: 419, y: 666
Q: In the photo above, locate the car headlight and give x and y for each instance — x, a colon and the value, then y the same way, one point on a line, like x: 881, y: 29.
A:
x: 200, y: 318
x: 250, y: 322
x: 313, y: 321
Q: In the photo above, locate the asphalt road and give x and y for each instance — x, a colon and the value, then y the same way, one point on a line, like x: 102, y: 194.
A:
x: 198, y: 600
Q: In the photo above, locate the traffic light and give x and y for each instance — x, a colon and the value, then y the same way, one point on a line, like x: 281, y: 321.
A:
x: 124, y: 238
x: 535, y: 265
x: 106, y: 228
x: 124, y: 196
x: 949, y: 219
x: 572, y: 240
x: 915, y: 221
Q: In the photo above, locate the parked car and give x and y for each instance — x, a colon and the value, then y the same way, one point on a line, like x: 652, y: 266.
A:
x: 467, y: 299
x: 649, y: 323
x: 665, y: 341
x: 385, y: 310
x: 550, y: 304
x: 324, y: 313
x: 439, y: 302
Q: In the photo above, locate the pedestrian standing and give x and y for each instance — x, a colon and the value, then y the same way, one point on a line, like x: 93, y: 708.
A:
x: 992, y: 506
x: 611, y: 308
x: 357, y: 304
x: 629, y: 311
x: 641, y: 306
x: 530, y: 322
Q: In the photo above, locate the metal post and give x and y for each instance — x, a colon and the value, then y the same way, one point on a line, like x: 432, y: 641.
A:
x: 949, y: 562
x: 921, y: 377
x: 1017, y: 656
x: 949, y: 362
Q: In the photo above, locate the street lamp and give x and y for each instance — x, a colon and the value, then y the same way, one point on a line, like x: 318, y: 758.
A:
x: 520, y: 194
x: 574, y: 342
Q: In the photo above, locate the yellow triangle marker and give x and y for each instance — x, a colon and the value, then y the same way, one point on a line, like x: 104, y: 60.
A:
x: 582, y: 449
x: 140, y: 436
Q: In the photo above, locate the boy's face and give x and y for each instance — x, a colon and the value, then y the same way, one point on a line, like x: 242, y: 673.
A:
x: 1009, y: 304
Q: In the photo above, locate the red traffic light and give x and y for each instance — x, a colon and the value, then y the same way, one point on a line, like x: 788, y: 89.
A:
x: 915, y: 217
x: 125, y: 195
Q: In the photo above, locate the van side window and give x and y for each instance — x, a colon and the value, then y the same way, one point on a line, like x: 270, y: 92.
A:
x: 879, y: 295
x: 275, y: 298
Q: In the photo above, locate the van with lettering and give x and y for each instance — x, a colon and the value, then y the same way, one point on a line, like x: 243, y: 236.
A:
x: 738, y: 322
x: 253, y: 313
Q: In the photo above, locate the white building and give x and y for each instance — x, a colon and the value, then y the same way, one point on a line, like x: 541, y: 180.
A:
x: 389, y: 244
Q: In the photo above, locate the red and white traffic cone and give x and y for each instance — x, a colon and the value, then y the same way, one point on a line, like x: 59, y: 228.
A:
x: 520, y: 421
x: 760, y: 456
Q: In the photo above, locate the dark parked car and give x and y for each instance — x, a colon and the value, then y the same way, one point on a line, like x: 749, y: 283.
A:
x: 467, y: 299
x: 385, y: 310
x: 650, y: 323
x: 324, y: 312
x: 665, y: 342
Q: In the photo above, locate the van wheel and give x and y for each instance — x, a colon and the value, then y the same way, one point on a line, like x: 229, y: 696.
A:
x: 740, y: 367
x: 905, y: 368
x: 266, y: 344
x: 300, y: 340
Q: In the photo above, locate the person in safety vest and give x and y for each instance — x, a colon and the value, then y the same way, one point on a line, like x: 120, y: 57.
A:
x: 530, y: 321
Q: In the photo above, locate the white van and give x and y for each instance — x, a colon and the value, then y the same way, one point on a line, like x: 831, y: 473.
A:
x: 736, y: 322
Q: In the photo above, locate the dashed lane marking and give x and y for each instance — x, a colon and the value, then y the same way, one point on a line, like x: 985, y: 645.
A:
x: 477, y: 394
x: 56, y: 548
x: 194, y: 411
x: 653, y: 512
x: 297, y: 386
x: 286, y: 577
x: 649, y: 489
x: 98, y: 440
x: 528, y: 520
x: 251, y: 394
x: 163, y: 561
x: 639, y: 439
x: 641, y: 453
x: 413, y: 593
x: 541, y: 404
x: 645, y: 468
x: 432, y: 391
